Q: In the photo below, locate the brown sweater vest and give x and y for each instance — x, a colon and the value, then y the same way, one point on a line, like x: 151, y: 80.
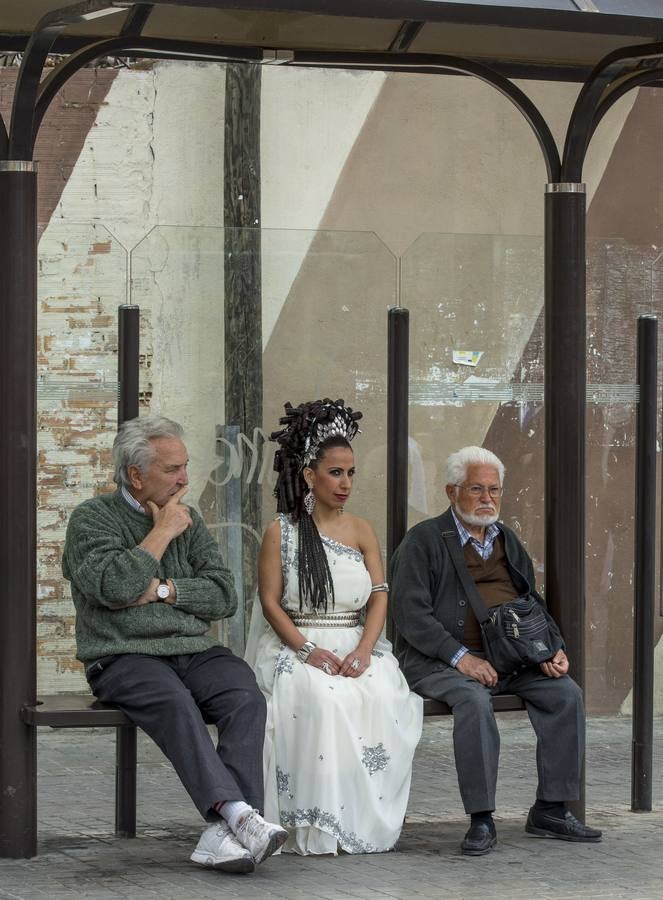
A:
x: 493, y: 583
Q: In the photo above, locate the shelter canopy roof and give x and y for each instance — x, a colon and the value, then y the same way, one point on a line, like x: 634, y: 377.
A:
x: 562, y: 36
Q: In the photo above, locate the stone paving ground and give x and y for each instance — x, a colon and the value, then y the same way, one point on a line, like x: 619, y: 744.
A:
x: 80, y: 857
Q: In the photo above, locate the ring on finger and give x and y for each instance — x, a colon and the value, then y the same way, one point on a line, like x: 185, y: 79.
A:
x: 354, y: 664
x: 326, y: 668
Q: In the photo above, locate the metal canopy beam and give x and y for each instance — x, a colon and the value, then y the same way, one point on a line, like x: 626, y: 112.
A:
x: 499, y: 34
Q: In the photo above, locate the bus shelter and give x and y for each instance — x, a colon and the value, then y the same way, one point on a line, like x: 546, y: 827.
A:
x: 610, y: 46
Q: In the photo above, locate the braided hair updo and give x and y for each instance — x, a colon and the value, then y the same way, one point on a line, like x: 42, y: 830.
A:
x: 310, y: 429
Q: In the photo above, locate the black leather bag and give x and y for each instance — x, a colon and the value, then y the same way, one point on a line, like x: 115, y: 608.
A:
x: 515, y: 635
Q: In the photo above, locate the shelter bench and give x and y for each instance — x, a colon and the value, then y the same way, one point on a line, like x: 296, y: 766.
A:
x: 84, y: 711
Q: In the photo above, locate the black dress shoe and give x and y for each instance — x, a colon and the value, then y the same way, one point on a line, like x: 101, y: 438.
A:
x: 481, y: 837
x: 564, y: 828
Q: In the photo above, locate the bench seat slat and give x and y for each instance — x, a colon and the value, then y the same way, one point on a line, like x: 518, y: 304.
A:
x: 73, y: 711
x: 84, y: 711
x: 501, y: 703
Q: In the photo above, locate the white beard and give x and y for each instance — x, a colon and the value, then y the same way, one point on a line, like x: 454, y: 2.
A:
x: 477, y: 521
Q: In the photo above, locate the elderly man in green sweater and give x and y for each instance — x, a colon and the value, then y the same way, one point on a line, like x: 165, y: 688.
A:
x: 147, y: 581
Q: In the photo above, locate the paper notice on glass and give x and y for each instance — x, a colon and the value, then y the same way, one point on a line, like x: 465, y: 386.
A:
x: 467, y: 357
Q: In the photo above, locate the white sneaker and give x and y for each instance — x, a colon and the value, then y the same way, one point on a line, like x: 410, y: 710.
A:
x: 260, y: 838
x: 218, y: 848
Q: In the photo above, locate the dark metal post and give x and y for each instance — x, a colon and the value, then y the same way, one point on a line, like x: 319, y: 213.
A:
x: 18, y: 503
x: 565, y: 389
x: 125, y: 781
x: 128, y: 352
x: 232, y: 631
x: 242, y: 282
x: 397, y: 426
x: 645, y: 568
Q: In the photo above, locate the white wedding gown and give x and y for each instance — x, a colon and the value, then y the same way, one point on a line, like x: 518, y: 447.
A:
x: 338, y: 751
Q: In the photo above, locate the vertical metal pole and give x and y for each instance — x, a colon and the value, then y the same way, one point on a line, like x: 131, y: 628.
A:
x: 128, y: 353
x: 565, y: 390
x: 397, y: 428
x: 645, y: 568
x: 125, y: 781
x: 231, y: 544
x: 18, y: 503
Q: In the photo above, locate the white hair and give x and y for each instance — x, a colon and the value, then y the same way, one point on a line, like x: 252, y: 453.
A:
x: 132, y: 445
x: 458, y: 462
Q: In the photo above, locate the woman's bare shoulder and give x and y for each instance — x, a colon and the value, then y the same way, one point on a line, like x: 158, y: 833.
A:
x: 364, y: 532
x: 273, y: 530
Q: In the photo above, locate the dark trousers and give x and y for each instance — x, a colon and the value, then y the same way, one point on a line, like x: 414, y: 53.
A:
x: 556, y: 711
x: 173, y: 698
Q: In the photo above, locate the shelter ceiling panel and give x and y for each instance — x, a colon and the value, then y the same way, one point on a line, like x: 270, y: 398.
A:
x: 18, y: 17
x: 269, y: 29
x: 521, y: 45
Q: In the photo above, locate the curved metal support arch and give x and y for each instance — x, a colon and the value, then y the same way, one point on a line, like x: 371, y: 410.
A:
x: 651, y: 77
x: 130, y: 45
x: 21, y: 145
x: 47, y: 30
x: 581, y: 124
x: 4, y: 140
x: 432, y: 64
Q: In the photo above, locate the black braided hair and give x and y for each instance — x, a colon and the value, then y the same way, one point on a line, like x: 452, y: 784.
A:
x: 306, y: 424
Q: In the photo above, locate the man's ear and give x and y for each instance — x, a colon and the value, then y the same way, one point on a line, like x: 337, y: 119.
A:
x: 135, y: 478
x: 451, y: 492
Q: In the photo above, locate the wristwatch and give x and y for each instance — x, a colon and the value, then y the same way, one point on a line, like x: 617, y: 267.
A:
x: 305, y: 651
x: 163, y: 591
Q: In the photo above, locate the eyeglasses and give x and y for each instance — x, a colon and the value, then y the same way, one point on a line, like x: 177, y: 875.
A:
x: 477, y: 490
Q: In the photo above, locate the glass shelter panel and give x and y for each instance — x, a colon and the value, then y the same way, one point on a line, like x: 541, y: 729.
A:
x: 315, y: 304
x: 621, y: 285
x: 476, y: 369
x: 303, y: 314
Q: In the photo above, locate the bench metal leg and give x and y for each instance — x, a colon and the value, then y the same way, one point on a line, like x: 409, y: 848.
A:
x: 125, y: 781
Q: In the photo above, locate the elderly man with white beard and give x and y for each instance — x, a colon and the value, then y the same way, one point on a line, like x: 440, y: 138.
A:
x: 440, y: 650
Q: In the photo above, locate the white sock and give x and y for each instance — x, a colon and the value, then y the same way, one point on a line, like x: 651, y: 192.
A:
x: 232, y: 811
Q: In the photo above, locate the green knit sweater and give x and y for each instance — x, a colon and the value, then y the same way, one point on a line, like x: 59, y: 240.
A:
x: 108, y: 569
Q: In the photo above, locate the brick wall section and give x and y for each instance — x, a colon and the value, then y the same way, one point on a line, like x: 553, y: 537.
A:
x: 82, y: 280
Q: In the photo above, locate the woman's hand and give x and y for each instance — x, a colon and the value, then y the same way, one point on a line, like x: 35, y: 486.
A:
x: 325, y: 660
x: 355, y: 663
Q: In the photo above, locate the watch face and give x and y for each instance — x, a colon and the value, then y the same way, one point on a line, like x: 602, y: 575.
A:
x: 163, y: 591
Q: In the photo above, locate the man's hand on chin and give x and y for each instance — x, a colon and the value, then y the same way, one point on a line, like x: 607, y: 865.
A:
x: 174, y: 517
x: 170, y: 521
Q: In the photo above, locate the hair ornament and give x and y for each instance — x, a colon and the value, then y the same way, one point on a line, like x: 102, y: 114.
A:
x: 311, y: 424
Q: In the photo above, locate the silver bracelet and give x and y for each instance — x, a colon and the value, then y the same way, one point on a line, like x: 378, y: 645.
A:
x: 380, y: 587
x: 305, y: 651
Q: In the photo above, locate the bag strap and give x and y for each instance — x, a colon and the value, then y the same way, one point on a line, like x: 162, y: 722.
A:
x: 450, y: 538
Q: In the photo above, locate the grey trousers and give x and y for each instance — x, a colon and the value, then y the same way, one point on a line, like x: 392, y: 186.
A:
x: 556, y: 711
x: 173, y: 698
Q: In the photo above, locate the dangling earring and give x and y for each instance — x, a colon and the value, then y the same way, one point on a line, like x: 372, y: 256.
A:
x: 309, y: 501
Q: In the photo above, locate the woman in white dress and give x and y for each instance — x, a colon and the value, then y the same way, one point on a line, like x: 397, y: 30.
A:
x: 342, y: 724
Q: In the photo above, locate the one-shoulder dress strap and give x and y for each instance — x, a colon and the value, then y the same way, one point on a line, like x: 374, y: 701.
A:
x: 288, y: 545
